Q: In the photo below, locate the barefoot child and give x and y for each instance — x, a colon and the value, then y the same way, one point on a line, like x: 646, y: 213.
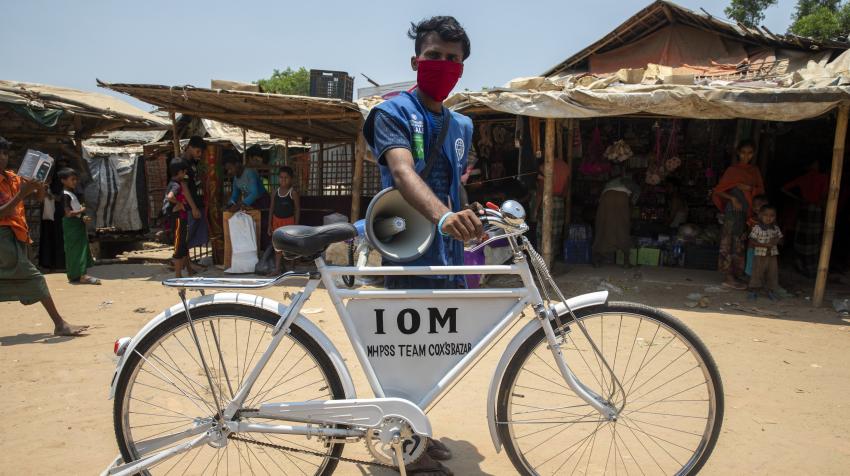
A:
x: 286, y: 207
x: 764, y: 239
x: 174, y: 207
x: 758, y: 202
x: 78, y: 257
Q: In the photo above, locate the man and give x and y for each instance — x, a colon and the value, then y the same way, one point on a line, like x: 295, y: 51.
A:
x: 401, y: 133
x: 19, y: 278
x: 197, y: 226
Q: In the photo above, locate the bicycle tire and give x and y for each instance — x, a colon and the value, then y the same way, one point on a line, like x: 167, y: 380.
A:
x: 527, y: 348
x: 200, y: 316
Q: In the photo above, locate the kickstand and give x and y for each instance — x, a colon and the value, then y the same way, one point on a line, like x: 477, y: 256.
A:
x: 399, y: 456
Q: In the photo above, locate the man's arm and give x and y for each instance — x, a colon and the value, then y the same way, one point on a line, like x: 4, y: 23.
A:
x: 463, y: 225
x: 27, y: 187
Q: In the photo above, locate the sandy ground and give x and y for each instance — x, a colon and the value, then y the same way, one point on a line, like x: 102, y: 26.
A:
x: 786, y: 378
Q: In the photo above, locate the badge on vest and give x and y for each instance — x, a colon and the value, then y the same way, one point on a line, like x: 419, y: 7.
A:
x: 459, y: 149
x: 418, y: 128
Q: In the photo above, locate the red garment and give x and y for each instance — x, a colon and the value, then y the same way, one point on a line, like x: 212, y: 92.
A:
x: 813, y: 187
x: 561, y: 172
x: 10, y: 185
x: 739, y: 174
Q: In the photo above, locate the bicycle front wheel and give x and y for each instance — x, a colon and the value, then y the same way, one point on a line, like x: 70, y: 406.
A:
x: 163, y: 392
x: 664, y: 379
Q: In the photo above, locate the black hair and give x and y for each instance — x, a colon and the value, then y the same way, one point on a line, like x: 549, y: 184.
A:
x: 446, y: 27
x: 67, y: 172
x: 231, y: 158
x: 5, y: 144
x: 767, y: 207
x: 254, y: 151
x: 176, y: 166
x: 288, y: 170
x: 761, y: 197
x: 197, y: 141
x: 745, y: 143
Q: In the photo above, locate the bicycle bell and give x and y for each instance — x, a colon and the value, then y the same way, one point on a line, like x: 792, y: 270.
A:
x: 513, y: 213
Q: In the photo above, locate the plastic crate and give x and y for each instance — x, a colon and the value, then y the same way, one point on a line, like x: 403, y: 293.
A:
x: 701, y: 257
x: 577, y: 251
x: 331, y: 84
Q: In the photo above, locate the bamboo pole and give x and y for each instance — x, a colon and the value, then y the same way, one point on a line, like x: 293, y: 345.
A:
x: 568, y: 198
x: 244, y: 146
x: 320, y: 170
x: 831, y: 204
x: 175, y: 139
x: 357, y: 180
x: 548, y: 170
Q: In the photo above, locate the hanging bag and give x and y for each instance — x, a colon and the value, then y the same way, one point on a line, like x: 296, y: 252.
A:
x: 243, y: 243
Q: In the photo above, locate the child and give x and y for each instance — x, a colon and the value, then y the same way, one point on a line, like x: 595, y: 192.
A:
x: 758, y: 202
x: 286, y: 207
x: 764, y: 239
x: 78, y: 257
x: 174, y: 207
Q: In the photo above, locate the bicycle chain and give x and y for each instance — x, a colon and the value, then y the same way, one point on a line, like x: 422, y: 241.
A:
x: 309, y: 452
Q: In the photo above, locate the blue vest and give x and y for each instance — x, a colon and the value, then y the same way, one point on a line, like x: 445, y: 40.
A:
x: 406, y: 108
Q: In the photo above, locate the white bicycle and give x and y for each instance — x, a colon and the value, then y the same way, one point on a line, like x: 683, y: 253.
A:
x: 236, y: 383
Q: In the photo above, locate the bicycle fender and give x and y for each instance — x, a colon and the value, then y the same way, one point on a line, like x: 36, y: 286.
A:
x: 246, y: 300
x: 574, y: 303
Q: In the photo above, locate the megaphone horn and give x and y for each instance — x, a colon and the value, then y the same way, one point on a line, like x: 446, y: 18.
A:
x: 395, y: 229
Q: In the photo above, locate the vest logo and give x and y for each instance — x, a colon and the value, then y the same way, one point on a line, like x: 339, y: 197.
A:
x: 417, y: 124
x: 459, y: 148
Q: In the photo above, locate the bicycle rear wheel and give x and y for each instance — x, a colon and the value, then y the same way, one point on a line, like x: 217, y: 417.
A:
x: 163, y: 391
x: 672, y: 398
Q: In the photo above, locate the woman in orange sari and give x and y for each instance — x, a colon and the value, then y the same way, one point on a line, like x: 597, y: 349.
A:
x: 733, y: 195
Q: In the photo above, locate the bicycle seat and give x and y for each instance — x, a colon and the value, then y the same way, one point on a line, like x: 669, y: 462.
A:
x: 310, y: 240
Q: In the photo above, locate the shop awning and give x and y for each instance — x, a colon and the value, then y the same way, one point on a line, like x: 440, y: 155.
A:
x: 307, y: 119
x: 31, y: 111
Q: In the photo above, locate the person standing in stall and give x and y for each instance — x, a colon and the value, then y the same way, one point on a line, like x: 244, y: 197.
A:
x: 248, y: 192
x: 20, y: 280
x: 612, y: 231
x: 422, y: 149
x: 733, y: 196
x: 196, y: 218
x: 286, y: 207
x: 813, y: 187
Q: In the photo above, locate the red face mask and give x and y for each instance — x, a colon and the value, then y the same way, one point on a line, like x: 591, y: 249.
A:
x: 437, y: 78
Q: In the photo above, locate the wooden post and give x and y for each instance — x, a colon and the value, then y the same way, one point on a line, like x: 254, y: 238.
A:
x: 568, y: 201
x: 357, y: 179
x: 320, y: 170
x: 548, y: 171
x: 286, y: 153
x: 175, y: 139
x: 244, y: 147
x: 831, y: 204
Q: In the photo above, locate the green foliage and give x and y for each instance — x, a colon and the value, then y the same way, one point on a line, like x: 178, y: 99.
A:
x: 288, y: 81
x: 821, y: 19
x: 748, y: 12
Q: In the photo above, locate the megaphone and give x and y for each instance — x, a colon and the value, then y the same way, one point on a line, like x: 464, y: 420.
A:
x: 395, y: 229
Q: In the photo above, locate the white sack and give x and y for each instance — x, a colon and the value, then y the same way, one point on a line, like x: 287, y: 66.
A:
x: 243, y: 243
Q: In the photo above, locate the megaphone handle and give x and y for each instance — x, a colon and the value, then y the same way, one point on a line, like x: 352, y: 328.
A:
x: 492, y: 206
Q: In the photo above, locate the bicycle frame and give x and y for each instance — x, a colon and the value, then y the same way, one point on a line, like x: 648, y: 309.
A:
x: 412, y: 381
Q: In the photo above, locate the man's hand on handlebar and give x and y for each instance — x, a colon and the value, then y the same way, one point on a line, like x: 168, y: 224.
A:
x: 465, y: 224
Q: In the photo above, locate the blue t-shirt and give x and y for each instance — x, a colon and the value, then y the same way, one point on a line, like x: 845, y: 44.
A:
x: 249, y: 185
x: 389, y: 134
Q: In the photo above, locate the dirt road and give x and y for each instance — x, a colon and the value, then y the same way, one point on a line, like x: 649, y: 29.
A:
x: 787, y: 378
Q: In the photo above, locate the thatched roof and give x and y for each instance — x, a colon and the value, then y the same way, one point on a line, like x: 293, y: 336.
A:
x: 303, y: 118
x: 30, y: 111
x: 662, y: 13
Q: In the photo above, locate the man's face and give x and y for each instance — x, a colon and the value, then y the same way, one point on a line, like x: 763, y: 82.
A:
x: 4, y: 159
x: 195, y: 153
x: 230, y: 169
x: 434, y: 48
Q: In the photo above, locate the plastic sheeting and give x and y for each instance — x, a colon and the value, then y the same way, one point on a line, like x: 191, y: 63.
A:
x: 112, y: 191
x: 810, y: 92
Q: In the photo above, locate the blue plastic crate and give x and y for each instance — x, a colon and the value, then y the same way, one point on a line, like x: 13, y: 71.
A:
x: 577, y: 251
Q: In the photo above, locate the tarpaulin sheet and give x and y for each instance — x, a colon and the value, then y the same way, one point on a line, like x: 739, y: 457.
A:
x: 810, y: 93
x: 112, y: 191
